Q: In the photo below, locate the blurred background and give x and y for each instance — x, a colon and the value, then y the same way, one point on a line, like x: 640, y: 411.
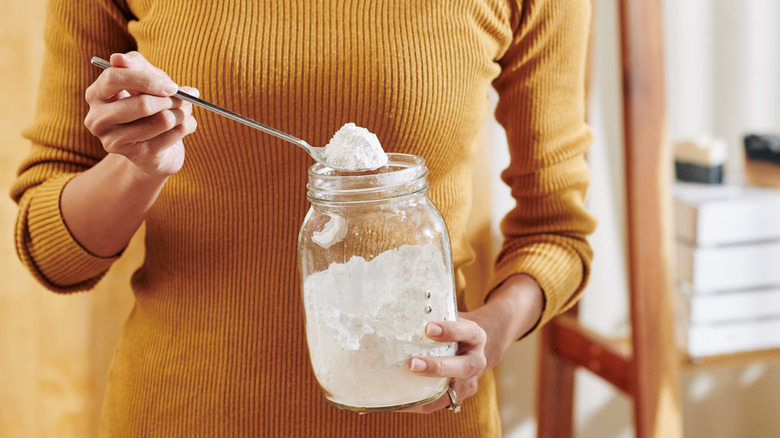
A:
x: 722, y: 63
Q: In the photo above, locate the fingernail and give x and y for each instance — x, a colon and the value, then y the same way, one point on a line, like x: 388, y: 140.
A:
x: 433, y: 330
x: 418, y: 365
x: 170, y: 88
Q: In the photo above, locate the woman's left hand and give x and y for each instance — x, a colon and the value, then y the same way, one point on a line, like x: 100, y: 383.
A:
x: 482, y: 336
x: 465, y: 367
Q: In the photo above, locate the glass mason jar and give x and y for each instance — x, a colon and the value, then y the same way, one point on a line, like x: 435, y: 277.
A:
x: 376, y: 267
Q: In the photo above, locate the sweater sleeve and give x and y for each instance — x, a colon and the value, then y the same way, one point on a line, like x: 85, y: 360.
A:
x: 541, y: 107
x: 61, y: 147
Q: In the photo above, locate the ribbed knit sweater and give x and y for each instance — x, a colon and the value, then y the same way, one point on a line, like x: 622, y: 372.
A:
x: 215, y: 344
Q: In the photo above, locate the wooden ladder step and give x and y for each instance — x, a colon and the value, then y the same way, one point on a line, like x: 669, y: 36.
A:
x: 607, y: 358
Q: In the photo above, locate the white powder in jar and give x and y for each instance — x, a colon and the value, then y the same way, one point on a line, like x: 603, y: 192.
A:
x: 354, y: 148
x: 366, y: 319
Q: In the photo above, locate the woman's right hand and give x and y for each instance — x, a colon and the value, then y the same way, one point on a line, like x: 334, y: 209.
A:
x: 133, y: 114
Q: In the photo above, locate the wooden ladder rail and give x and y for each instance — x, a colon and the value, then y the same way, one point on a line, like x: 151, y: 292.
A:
x: 648, y: 370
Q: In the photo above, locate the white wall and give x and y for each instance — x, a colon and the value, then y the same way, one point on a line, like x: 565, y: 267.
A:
x: 723, y: 79
x: 723, y: 69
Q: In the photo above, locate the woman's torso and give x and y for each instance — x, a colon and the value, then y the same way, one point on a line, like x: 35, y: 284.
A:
x: 215, y: 344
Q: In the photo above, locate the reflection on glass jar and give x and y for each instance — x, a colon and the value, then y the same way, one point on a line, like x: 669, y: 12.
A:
x: 376, y: 267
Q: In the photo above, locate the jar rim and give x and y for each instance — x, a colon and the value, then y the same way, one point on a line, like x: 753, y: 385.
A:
x: 403, y: 174
x: 395, y: 163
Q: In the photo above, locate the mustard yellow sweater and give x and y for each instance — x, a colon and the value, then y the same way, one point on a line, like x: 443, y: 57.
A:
x: 215, y: 345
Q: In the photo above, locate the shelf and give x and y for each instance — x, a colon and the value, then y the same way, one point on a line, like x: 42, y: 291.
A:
x: 731, y: 360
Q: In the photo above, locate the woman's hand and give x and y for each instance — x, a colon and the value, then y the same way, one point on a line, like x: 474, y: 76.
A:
x: 141, y: 127
x: 466, y: 367
x: 483, y: 336
x: 133, y: 114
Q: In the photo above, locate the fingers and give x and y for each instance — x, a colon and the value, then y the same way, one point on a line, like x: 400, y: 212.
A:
x: 173, y: 135
x: 462, y: 330
x: 133, y: 113
x: 469, y: 365
x: 157, y: 131
x: 465, y: 368
x: 115, y: 80
x: 161, y: 155
x: 133, y: 60
x: 131, y: 73
x: 194, y: 92
x: 130, y: 109
x: 145, y: 129
x: 470, y: 360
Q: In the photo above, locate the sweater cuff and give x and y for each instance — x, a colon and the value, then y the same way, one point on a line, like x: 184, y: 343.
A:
x: 559, y: 271
x: 62, y: 263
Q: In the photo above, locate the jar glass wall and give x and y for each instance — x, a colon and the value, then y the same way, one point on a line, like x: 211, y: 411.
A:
x: 376, y: 267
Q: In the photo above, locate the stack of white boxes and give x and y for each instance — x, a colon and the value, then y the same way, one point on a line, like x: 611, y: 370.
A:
x: 728, y: 268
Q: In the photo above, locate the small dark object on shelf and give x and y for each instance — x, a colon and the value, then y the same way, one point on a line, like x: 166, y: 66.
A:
x: 763, y: 147
x: 698, y: 173
x: 700, y: 160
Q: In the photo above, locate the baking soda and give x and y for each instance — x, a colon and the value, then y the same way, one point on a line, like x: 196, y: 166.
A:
x: 366, y: 319
x: 354, y: 148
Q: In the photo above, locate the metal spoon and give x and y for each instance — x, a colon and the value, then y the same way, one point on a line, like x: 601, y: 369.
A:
x: 318, y: 153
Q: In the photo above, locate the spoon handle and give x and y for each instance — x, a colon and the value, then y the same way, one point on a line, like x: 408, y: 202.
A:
x: 102, y: 63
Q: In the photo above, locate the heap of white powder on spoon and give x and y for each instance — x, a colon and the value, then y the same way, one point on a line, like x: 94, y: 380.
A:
x: 353, y: 148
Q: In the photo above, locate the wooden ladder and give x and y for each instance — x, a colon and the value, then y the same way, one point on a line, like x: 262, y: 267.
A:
x: 646, y: 370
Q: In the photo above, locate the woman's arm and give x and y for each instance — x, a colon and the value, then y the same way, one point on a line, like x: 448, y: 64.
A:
x: 511, y: 312
x: 67, y: 186
x: 104, y: 206
x: 141, y: 127
x: 543, y: 264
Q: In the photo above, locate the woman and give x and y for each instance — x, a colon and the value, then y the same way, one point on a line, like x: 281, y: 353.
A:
x: 215, y: 344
